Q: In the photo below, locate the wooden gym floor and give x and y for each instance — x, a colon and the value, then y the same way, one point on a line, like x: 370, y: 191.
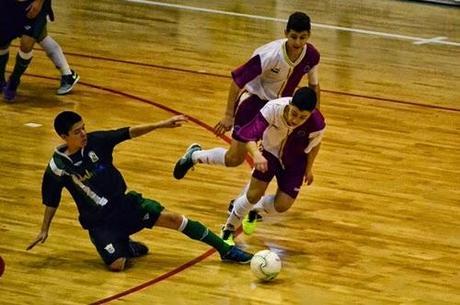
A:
x: 380, y: 225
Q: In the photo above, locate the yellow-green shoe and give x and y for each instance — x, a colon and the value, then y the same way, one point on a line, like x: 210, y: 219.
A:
x: 228, y: 236
x: 249, y: 224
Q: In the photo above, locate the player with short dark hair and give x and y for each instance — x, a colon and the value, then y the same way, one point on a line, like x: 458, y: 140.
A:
x: 83, y: 165
x: 290, y: 131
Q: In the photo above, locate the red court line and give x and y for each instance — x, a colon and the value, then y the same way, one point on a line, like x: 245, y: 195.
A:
x: 395, y: 101
x: 376, y: 98
x: 153, y: 103
x: 155, y: 280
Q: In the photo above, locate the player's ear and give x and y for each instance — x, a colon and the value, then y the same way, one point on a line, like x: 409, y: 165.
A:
x: 64, y: 136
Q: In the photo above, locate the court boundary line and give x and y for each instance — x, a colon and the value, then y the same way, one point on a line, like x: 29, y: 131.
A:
x: 416, y: 40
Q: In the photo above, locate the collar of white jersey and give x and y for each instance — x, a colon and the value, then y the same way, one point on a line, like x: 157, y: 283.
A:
x: 286, y: 57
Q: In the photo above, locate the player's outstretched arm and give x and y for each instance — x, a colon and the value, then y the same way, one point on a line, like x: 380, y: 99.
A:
x: 173, y: 122
x: 43, y: 235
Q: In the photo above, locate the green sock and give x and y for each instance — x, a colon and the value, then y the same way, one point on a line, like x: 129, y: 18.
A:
x: 196, y: 230
x: 19, y: 69
x: 3, y: 61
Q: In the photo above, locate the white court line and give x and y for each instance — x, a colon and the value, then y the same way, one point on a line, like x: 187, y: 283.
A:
x: 434, y: 39
x: 33, y: 125
x: 417, y: 40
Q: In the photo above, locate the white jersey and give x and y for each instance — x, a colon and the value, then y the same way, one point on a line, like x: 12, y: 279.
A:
x: 276, y: 134
x: 270, y: 73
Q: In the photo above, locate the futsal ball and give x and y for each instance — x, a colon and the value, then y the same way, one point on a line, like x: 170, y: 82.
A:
x: 266, y: 265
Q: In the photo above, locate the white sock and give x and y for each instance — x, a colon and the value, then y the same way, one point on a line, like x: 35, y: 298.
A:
x: 25, y: 56
x: 240, y: 208
x: 266, y: 204
x: 210, y: 156
x: 183, y: 224
x: 244, y: 190
x: 54, y: 52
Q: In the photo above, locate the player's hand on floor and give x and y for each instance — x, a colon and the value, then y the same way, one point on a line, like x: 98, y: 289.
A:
x: 40, y: 239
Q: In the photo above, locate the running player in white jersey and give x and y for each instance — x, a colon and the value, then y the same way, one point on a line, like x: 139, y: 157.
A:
x: 290, y: 131
x: 274, y: 71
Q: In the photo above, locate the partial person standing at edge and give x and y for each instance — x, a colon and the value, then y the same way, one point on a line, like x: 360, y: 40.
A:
x: 84, y: 166
x: 273, y: 71
x: 27, y: 19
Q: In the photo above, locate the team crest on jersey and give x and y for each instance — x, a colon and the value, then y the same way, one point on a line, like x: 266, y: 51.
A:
x: 301, y: 133
x: 92, y: 155
x: 110, y: 248
x: 275, y: 70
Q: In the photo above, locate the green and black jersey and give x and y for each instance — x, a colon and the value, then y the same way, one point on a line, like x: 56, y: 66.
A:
x: 89, y: 175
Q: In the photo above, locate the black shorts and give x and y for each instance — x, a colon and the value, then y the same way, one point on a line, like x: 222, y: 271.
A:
x: 14, y: 23
x: 36, y: 28
x: 246, y: 110
x: 289, y: 177
x: 111, y: 238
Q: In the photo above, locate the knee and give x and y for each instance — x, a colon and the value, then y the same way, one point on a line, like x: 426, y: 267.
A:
x: 26, y: 48
x: 253, y: 196
x: 169, y: 220
x: 118, y: 265
x: 232, y: 160
x: 281, y: 208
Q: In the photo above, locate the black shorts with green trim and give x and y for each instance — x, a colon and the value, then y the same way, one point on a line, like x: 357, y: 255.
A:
x: 135, y: 213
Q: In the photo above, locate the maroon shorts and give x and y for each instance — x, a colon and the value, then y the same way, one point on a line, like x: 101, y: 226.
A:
x: 289, y: 178
x: 246, y: 110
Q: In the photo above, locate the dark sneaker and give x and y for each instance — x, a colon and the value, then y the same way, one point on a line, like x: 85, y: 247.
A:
x: 237, y: 255
x: 230, y: 206
x: 67, y: 83
x: 185, y: 163
x: 9, y: 91
x: 257, y: 216
x: 137, y: 249
x: 228, y: 236
x: 2, y: 84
